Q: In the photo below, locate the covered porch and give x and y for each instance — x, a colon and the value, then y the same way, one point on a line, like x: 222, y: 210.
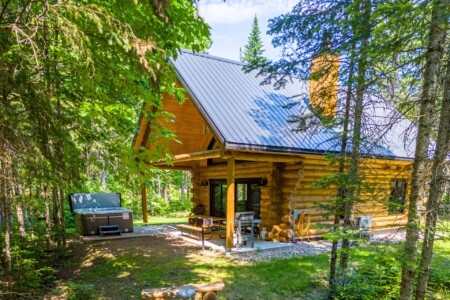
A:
x: 225, y: 182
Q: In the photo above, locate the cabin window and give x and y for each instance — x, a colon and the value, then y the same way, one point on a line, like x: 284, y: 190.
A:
x: 397, y: 198
x: 247, y: 196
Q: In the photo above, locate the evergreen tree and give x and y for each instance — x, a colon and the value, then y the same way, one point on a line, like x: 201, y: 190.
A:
x: 73, y: 76
x: 253, y: 51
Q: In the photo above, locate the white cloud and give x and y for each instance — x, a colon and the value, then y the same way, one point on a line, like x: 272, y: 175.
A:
x: 231, y: 12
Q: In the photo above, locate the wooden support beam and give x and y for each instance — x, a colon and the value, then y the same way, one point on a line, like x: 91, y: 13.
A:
x: 144, y: 203
x: 269, y: 157
x: 166, y: 167
x: 230, y: 203
x: 192, y: 157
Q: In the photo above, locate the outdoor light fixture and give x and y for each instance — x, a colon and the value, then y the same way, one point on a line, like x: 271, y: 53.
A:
x: 263, y: 182
x: 204, y: 183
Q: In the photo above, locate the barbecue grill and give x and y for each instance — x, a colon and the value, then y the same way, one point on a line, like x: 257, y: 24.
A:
x: 100, y: 213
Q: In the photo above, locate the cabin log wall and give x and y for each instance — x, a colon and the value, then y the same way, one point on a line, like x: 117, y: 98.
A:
x: 377, y: 174
x: 284, y: 187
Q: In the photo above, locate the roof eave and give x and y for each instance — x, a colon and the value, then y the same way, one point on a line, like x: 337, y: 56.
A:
x: 253, y: 147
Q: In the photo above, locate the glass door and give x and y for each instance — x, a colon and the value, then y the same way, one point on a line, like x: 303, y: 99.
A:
x: 247, y: 196
x: 218, y: 197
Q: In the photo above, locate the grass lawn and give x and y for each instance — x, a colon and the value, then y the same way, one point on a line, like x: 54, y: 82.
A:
x: 120, y: 269
x: 161, y: 220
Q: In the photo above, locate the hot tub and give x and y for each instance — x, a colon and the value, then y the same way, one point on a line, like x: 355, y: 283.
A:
x: 99, y: 209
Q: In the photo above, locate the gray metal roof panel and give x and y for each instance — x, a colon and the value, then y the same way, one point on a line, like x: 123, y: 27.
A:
x: 253, y: 116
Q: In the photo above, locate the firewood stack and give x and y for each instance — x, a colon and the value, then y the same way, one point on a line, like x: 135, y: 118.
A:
x: 284, y: 232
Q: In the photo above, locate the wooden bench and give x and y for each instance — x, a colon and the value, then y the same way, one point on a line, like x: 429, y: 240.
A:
x: 202, y: 291
x: 199, y: 225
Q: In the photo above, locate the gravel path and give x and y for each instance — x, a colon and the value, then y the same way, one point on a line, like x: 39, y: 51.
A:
x: 311, y: 248
x: 296, y: 250
x: 301, y: 248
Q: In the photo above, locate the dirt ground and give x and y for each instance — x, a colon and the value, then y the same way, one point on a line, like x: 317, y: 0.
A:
x: 121, y: 268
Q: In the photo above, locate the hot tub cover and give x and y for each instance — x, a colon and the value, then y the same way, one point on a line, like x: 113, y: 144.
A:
x: 101, y: 211
x: 94, y: 202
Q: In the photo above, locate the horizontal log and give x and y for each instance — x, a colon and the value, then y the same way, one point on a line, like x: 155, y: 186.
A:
x: 392, y: 218
x: 192, y: 156
x: 240, y: 166
x: 310, y: 191
x: 264, y: 157
x: 305, y: 198
x: 389, y: 223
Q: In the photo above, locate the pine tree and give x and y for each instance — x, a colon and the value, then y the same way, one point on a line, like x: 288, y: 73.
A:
x: 253, y: 51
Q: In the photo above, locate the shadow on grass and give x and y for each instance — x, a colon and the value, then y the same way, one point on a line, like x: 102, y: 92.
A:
x: 120, y: 269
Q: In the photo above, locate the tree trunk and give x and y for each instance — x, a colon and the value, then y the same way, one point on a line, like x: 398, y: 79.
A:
x: 18, y: 204
x: 342, y: 160
x: 356, y: 135
x: 30, y: 209
x: 166, y: 194
x: 437, y: 186
x: 63, y: 215
x: 159, y: 186
x: 436, y: 41
x: 56, y: 214
x: 48, y: 219
x: 102, y: 172
x: 144, y: 203
x: 20, y: 221
x: 182, y: 188
x: 6, y: 194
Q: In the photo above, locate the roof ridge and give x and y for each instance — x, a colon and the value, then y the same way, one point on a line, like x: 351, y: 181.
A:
x: 209, y: 56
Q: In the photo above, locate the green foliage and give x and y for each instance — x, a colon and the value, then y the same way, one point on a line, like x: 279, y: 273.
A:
x: 439, y: 281
x: 253, y: 51
x: 75, y: 75
x: 34, y: 267
x: 377, y: 277
x: 80, y: 291
x: 30, y: 272
x: 159, y: 207
x: 142, y: 263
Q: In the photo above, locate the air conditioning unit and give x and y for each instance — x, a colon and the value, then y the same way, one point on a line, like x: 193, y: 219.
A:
x: 364, y: 224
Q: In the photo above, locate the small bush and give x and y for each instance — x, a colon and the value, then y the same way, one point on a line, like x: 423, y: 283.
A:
x: 29, y: 270
x: 378, y: 277
x: 80, y: 291
x: 439, y: 281
x: 159, y: 207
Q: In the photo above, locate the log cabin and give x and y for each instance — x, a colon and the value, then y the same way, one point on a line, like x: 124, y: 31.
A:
x: 241, y: 143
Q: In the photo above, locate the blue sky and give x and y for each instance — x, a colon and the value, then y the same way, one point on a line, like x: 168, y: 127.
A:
x: 231, y: 23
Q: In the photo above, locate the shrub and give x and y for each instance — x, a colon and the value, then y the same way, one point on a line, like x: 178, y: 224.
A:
x: 80, y: 291
x: 378, y: 277
x: 439, y: 281
x: 30, y: 272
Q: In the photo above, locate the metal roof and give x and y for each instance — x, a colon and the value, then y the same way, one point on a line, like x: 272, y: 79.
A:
x: 247, y: 115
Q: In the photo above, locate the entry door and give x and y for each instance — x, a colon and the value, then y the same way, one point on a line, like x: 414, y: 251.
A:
x: 247, y: 196
x: 218, y: 197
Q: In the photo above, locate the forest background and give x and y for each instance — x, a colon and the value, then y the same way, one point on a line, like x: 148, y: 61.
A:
x: 75, y: 75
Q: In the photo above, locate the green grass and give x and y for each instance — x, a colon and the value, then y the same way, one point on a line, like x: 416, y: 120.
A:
x: 120, y: 269
x: 122, y: 273
x: 161, y: 221
x: 440, y: 270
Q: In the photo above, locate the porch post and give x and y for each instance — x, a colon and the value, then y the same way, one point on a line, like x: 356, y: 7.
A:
x: 230, y: 203
x: 144, y: 203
